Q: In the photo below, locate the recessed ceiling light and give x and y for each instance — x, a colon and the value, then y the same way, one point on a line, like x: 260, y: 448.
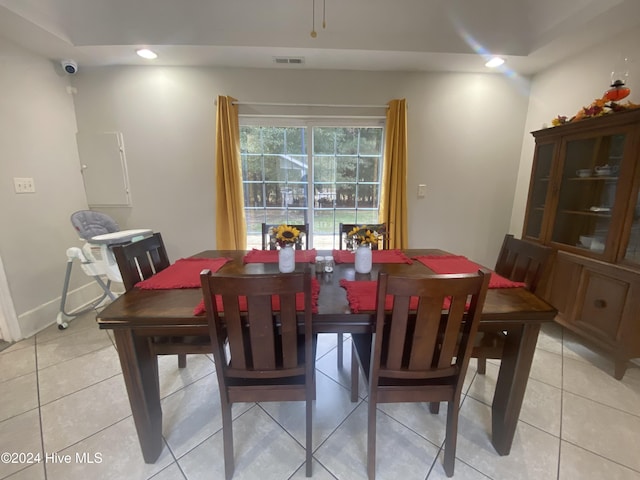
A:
x: 494, y: 62
x: 146, y: 53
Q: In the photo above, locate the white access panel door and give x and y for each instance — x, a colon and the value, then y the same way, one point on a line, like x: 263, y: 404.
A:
x: 104, y: 169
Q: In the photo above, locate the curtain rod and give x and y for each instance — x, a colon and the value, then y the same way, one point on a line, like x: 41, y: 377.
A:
x: 328, y: 105
x: 307, y: 117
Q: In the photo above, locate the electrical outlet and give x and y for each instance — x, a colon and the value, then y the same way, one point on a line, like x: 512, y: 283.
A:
x: 24, y: 185
x: 422, y: 190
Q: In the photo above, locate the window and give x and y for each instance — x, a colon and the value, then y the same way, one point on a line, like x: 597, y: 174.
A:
x: 320, y: 175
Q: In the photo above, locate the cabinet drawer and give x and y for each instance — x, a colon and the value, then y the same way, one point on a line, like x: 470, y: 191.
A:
x: 600, y: 304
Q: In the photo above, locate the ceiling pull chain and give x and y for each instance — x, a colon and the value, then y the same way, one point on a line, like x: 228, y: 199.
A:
x: 324, y: 11
x: 313, y: 20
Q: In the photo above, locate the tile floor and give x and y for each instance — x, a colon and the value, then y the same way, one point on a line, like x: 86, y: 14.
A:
x: 61, y: 392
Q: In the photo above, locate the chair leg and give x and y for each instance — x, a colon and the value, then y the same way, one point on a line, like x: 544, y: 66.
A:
x: 452, y: 436
x: 309, y: 438
x: 434, y: 407
x: 227, y: 439
x: 482, y: 365
x: 355, y: 373
x: 182, y: 360
x: 371, y: 440
x: 340, y: 350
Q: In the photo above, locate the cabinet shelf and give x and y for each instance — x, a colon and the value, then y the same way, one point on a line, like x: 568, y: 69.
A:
x: 587, y: 213
x: 592, y: 178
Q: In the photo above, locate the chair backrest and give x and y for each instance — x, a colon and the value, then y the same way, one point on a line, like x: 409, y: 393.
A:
x: 430, y: 340
x: 345, y: 228
x: 253, y: 339
x: 523, y: 261
x: 140, y: 260
x: 269, y: 239
x: 89, y: 224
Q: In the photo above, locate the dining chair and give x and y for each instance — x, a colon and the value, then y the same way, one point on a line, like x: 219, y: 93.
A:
x: 261, y: 354
x: 424, y: 332
x: 520, y: 261
x: 269, y: 239
x: 345, y: 228
x: 138, y: 261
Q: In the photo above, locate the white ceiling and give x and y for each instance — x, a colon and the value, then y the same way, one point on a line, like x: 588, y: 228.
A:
x: 408, y: 35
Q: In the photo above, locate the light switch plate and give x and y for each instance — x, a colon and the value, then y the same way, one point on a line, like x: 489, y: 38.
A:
x: 24, y: 185
x: 422, y: 190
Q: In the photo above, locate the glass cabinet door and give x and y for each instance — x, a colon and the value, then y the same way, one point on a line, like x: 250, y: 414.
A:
x: 538, y: 190
x: 586, y: 199
x: 632, y: 253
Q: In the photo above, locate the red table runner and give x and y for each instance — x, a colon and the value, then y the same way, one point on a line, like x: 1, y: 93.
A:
x: 271, y: 256
x: 361, y: 295
x: 275, y: 301
x: 377, y: 256
x: 184, y: 273
x: 442, y: 264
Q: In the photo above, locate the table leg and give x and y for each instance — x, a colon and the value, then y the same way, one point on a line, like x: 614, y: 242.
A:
x: 517, y: 356
x: 140, y: 371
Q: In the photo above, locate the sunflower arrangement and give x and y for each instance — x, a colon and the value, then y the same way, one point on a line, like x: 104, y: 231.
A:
x: 362, y: 235
x: 285, y: 235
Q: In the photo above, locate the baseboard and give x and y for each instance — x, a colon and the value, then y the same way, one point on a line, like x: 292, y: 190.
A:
x: 41, y: 317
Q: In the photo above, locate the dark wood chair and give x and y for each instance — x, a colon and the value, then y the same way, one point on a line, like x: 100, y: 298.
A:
x: 345, y: 228
x: 520, y: 261
x: 269, y: 240
x: 138, y: 261
x: 260, y: 355
x: 420, y: 351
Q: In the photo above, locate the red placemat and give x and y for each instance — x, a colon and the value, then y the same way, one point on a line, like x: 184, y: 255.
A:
x: 275, y: 301
x: 442, y: 264
x: 271, y: 256
x: 361, y: 295
x: 184, y: 273
x: 377, y: 256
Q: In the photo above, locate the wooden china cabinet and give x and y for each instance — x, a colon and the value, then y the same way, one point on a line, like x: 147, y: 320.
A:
x: 584, y: 203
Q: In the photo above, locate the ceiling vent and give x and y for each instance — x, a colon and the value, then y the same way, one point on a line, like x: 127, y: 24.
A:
x: 289, y: 60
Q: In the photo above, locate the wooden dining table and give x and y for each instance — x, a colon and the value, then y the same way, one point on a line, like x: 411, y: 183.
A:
x: 140, y: 319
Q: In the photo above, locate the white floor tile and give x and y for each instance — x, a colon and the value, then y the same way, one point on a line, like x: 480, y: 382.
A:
x: 111, y: 454
x: 534, y: 453
x: 603, y: 430
x: 401, y: 453
x: 18, y: 395
x: 79, y: 415
x: 20, y: 436
x: 331, y: 407
x: 18, y: 362
x: 77, y: 373
x: 173, y: 378
x: 589, y: 381
x: 577, y: 463
x: 192, y: 414
x: 262, y: 450
x: 172, y: 472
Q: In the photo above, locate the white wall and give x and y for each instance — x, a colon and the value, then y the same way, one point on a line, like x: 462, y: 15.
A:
x: 464, y: 143
x: 564, y: 90
x: 37, y: 135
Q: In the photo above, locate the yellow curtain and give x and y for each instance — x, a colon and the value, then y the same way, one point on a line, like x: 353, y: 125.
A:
x: 231, y: 230
x: 393, y: 209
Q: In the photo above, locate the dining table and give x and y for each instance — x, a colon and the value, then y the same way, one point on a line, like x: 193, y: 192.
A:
x: 141, y: 319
